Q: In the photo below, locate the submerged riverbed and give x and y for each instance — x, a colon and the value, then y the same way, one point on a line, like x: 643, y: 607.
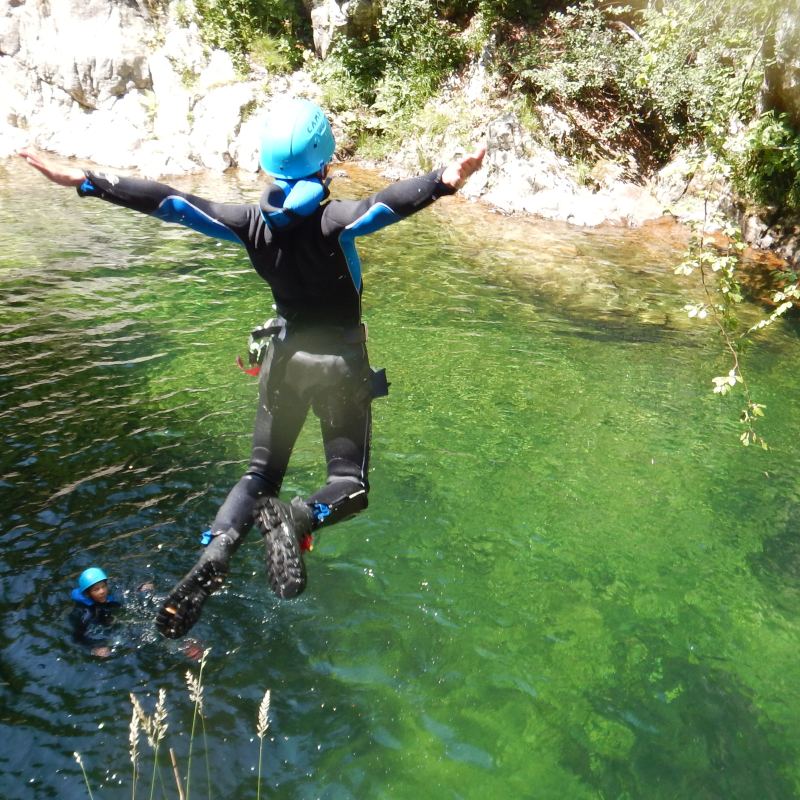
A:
x: 571, y: 582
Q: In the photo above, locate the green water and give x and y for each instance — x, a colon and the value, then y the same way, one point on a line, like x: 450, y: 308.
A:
x: 572, y: 581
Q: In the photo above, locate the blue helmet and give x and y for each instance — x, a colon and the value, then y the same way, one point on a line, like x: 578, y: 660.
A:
x: 297, y: 140
x: 89, y: 577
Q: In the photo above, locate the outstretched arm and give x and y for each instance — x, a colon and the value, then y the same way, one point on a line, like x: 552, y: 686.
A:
x: 400, y: 200
x: 219, y: 220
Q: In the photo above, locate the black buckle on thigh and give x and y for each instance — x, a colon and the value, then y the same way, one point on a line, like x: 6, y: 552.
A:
x: 380, y: 386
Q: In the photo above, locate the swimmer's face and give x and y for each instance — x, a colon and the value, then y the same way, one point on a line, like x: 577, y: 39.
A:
x: 98, y: 592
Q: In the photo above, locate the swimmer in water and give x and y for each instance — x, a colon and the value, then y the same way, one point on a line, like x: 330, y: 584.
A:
x: 94, y: 608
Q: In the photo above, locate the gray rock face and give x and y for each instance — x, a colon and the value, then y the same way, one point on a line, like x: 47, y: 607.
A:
x: 329, y: 18
x: 85, y: 79
x: 51, y: 38
x: 72, y: 75
x: 217, y: 118
x: 521, y: 176
x: 782, y: 79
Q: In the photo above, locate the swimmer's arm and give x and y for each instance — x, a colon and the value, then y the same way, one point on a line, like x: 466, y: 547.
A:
x: 232, y: 222
x: 79, y: 620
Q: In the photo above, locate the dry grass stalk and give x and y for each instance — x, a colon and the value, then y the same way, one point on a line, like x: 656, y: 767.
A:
x: 80, y: 764
x: 155, y: 728
x: 145, y: 721
x: 195, y: 690
x: 133, y: 736
x: 196, y: 696
x: 177, y: 774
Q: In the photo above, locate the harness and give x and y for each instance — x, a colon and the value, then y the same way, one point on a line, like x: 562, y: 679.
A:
x: 258, y: 342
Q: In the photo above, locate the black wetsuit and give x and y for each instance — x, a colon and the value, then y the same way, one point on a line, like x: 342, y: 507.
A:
x: 319, y: 360
x: 86, y: 614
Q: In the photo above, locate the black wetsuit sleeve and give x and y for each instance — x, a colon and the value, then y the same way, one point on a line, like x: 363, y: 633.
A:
x: 396, y: 202
x: 233, y: 222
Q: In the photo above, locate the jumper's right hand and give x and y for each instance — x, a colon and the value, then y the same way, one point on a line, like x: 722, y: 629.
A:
x: 101, y: 652
x: 63, y: 176
x: 455, y: 174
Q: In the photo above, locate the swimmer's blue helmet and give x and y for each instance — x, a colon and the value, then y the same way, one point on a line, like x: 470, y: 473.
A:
x: 297, y: 140
x: 89, y: 577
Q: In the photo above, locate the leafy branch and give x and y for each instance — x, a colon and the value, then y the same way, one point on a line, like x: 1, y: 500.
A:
x: 716, y: 267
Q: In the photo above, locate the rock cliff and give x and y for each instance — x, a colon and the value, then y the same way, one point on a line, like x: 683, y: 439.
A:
x: 782, y: 79
x: 105, y: 81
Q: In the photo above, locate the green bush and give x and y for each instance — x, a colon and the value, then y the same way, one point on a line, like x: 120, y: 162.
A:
x: 769, y: 168
x: 585, y: 62
x: 648, y: 81
x: 273, y: 53
x: 701, y: 62
x: 514, y: 11
x: 578, y: 58
x: 394, y: 68
x: 274, y: 27
x: 416, y: 51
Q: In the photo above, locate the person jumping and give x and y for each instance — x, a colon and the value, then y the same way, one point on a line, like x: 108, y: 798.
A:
x: 303, y: 246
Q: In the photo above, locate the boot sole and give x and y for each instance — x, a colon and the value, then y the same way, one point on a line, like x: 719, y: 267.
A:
x: 183, y: 607
x: 283, y: 560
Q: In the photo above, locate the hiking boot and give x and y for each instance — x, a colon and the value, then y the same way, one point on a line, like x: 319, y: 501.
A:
x: 183, y: 606
x: 286, y: 529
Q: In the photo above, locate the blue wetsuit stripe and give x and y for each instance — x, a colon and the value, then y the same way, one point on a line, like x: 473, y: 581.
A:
x: 379, y: 216
x: 179, y: 210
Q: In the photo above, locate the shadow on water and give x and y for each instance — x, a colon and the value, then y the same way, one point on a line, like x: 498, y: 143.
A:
x: 571, y: 581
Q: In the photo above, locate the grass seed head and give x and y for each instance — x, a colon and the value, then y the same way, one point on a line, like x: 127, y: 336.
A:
x: 145, y: 721
x: 263, y: 716
x: 195, y: 690
x: 160, y: 717
x: 133, y: 735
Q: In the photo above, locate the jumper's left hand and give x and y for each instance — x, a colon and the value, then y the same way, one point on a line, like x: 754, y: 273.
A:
x: 63, y: 176
x: 455, y: 174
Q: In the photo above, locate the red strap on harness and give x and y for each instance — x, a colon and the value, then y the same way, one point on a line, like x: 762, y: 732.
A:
x: 240, y: 364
